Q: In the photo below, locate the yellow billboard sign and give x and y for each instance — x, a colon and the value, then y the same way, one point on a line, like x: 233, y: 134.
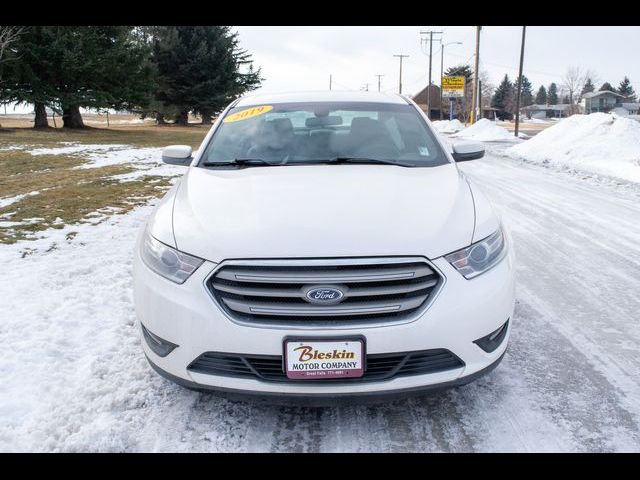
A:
x: 453, y: 86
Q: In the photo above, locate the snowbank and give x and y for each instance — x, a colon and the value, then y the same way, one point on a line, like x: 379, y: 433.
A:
x: 598, y: 143
x: 485, y: 130
x: 448, y: 126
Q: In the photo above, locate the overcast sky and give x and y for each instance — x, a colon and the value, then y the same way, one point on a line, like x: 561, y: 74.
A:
x: 301, y: 58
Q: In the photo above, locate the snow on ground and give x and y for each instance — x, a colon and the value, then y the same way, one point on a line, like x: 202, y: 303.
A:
x: 146, y: 161
x: 6, y: 201
x: 542, y: 121
x: 485, y: 130
x: 448, y: 126
x: 598, y: 143
x: 75, y: 378
x: 71, y: 148
x: 133, y: 121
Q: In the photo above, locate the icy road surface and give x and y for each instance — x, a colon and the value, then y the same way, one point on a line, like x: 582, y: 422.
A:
x: 74, y: 377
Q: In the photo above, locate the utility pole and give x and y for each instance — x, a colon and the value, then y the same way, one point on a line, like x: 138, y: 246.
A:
x: 442, y: 45
x: 430, y: 40
x: 524, y: 31
x: 480, y: 99
x: 400, y: 78
x: 330, y: 81
x: 475, y: 77
x: 366, y: 87
x: 379, y: 77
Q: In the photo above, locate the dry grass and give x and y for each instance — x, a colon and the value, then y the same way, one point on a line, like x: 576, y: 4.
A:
x: 69, y: 195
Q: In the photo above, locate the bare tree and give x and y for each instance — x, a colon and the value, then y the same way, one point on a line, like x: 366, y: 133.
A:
x: 573, y: 82
x: 487, y: 88
x: 8, y: 35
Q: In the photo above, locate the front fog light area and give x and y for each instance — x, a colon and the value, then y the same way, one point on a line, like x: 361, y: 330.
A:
x: 168, y: 262
x: 492, y: 341
x: 158, y: 345
x: 479, y: 257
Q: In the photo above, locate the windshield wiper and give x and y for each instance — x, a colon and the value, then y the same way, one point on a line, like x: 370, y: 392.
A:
x: 334, y: 160
x: 240, y: 161
x: 367, y: 160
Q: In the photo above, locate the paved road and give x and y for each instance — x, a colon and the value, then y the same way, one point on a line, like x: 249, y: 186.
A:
x: 569, y: 382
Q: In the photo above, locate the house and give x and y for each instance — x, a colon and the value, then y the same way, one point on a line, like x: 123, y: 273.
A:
x: 421, y: 98
x: 546, y: 111
x: 625, y: 109
x: 602, y: 101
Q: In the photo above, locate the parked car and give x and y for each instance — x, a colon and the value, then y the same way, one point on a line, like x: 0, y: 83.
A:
x: 323, y: 246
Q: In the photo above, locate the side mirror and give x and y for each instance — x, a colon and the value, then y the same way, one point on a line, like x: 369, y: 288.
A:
x: 465, y: 151
x: 177, y: 155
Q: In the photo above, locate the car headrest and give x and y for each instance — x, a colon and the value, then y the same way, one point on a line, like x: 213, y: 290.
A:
x: 365, y: 127
x: 280, y: 126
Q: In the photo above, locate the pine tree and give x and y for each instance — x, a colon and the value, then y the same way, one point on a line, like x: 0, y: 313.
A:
x: 541, y: 96
x: 463, y: 105
x: 71, y: 67
x: 503, y: 99
x: 626, y: 90
x: 607, y: 86
x: 460, y: 71
x: 588, y: 87
x: 552, y: 94
x: 526, y: 91
x: 200, y: 70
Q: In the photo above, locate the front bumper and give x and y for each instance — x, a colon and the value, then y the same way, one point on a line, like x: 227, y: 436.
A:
x: 326, y: 399
x: 463, y: 311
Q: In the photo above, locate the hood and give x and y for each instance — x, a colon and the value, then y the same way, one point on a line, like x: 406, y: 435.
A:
x: 322, y: 211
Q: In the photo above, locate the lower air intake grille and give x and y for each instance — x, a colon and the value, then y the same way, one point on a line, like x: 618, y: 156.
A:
x: 383, y: 366
x: 369, y: 289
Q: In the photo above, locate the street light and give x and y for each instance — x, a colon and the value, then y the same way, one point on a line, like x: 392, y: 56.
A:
x: 442, y: 69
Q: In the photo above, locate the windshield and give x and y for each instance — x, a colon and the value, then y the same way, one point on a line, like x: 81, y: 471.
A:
x: 289, y: 133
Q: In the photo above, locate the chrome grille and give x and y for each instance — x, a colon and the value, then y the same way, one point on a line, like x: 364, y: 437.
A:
x: 378, y: 289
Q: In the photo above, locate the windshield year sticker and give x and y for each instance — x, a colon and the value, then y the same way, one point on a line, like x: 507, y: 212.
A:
x: 248, y: 113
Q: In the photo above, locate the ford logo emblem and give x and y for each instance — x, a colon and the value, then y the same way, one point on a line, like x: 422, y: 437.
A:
x: 324, y: 295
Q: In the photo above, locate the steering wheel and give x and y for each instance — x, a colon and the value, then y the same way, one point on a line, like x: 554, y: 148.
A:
x: 377, y: 150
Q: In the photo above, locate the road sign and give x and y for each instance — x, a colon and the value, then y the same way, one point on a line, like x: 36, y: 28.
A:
x: 453, y: 87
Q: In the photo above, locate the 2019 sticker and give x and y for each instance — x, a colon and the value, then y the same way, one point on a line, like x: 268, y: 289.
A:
x: 248, y: 113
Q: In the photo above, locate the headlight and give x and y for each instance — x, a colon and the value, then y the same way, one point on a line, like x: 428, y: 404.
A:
x: 166, y: 261
x: 479, y: 257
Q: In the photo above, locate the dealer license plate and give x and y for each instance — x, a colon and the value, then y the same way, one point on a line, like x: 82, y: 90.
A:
x: 322, y: 359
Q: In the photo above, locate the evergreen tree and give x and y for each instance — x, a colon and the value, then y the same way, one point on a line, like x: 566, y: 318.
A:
x: 607, y: 86
x: 566, y: 100
x: 503, y: 99
x: 460, y: 71
x: 526, y: 91
x: 71, y: 67
x: 552, y: 94
x: 626, y: 90
x: 541, y: 96
x: 200, y: 69
x: 463, y: 105
x: 588, y: 87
